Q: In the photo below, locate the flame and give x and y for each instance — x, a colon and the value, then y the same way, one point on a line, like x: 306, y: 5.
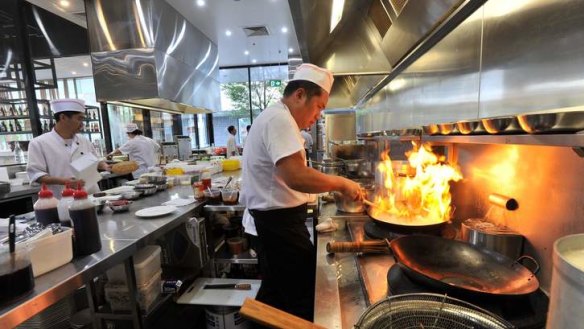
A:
x: 422, y: 197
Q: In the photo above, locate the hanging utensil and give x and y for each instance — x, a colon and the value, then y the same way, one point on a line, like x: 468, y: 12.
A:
x: 228, y: 181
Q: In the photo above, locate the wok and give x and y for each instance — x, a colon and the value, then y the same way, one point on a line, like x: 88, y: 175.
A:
x: 399, y: 226
x: 453, y: 265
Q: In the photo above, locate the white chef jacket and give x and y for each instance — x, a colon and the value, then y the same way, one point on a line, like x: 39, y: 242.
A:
x: 50, y: 154
x: 275, y: 135
x: 231, y: 146
x: 142, y: 150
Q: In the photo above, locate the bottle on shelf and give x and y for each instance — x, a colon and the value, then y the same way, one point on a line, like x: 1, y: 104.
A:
x: 2, y: 112
x: 51, y: 125
x: 18, y: 153
x: 17, y: 125
x: 20, y: 112
x: 44, y: 126
x: 3, y: 127
x: 46, y: 207
x: 25, y: 112
x: 12, y: 111
x: 10, y: 126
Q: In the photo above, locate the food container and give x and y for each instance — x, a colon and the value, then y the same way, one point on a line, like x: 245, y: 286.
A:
x: 213, y: 196
x: 118, y: 295
x: 51, y: 252
x: 236, y: 245
x: 119, y: 205
x: 16, y: 276
x: 146, y: 189
x: 484, y: 234
x: 153, y: 179
x: 131, y: 195
x: 230, y: 164
x: 567, y: 290
x: 146, y: 264
x: 229, y: 196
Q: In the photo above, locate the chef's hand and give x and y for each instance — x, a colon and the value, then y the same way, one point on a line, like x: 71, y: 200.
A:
x: 351, y: 189
x: 73, y: 182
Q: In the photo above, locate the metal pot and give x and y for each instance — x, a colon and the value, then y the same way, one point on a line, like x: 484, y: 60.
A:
x: 348, y: 205
x: 329, y: 166
x: 567, y: 291
x: 483, y: 234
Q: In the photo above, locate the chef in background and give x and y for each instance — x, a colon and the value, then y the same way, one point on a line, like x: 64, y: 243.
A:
x: 50, y: 154
x: 139, y: 148
x: 231, y: 146
x: 275, y: 190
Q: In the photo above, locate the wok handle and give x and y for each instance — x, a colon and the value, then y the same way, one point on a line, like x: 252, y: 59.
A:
x: 537, y: 267
x: 273, y: 317
x: 373, y: 246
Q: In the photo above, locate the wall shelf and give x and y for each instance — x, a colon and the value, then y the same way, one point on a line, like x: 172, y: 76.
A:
x: 564, y: 140
x: 16, y: 132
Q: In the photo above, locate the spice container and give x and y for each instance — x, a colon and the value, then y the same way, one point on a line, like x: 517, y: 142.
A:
x: 229, y: 196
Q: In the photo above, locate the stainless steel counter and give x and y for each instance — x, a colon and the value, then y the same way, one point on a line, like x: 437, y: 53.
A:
x: 122, y: 234
x: 19, y: 191
x: 346, y: 283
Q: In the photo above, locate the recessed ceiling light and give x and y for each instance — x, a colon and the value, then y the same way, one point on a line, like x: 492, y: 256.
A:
x: 85, y: 64
x: 200, y: 3
x: 284, y: 29
x: 246, y: 53
x: 64, y: 3
x: 73, y: 72
x: 254, y: 61
x: 290, y: 50
x: 228, y: 33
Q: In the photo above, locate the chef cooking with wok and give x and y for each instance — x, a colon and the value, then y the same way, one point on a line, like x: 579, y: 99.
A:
x: 275, y: 189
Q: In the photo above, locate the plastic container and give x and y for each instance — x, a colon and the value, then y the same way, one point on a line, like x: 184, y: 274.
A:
x: 118, y: 295
x: 64, y: 204
x: 213, y: 196
x: 229, y: 196
x: 146, y: 264
x: 48, y: 253
x: 46, y: 207
x: 230, y: 164
x: 85, y: 227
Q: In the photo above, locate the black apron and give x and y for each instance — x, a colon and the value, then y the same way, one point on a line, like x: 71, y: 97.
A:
x: 287, y: 260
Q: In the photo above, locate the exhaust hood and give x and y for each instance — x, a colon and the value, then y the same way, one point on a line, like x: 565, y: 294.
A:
x: 145, y: 54
x: 371, y: 41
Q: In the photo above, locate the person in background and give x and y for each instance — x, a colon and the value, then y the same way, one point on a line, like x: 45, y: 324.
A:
x: 307, y: 142
x: 275, y: 190
x: 231, y: 146
x: 139, y: 148
x: 247, y: 128
x: 50, y: 154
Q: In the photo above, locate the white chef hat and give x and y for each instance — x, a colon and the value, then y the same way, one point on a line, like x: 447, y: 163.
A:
x: 65, y: 105
x: 131, y: 127
x: 320, y: 76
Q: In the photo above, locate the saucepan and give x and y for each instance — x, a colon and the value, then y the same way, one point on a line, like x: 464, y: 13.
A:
x: 453, y: 266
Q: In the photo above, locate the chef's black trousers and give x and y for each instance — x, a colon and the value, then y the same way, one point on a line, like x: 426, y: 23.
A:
x: 287, y: 260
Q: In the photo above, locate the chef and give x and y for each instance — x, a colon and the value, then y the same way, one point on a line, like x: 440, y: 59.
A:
x: 275, y: 187
x: 139, y: 148
x: 50, y: 154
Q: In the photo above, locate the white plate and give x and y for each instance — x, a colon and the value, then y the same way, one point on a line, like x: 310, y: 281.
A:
x: 155, y: 211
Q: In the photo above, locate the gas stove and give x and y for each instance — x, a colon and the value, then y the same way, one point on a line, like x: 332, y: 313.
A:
x: 382, y: 277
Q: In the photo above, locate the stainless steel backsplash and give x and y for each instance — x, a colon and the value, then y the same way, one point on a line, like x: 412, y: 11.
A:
x: 548, y: 183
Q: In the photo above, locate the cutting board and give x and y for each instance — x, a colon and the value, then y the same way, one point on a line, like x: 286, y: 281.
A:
x: 196, y: 295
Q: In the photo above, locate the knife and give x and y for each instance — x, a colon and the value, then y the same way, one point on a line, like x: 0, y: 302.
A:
x: 238, y: 286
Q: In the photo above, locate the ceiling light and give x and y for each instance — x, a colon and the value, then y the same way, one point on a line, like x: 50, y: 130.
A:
x: 336, y: 13
x: 228, y: 33
x: 73, y: 72
x: 254, y: 61
x: 284, y: 29
x: 85, y: 64
x: 246, y: 53
x: 290, y: 50
x: 200, y: 3
x: 64, y: 3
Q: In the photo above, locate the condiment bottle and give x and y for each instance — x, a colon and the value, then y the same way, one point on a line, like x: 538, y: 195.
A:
x: 46, y: 207
x: 206, y: 179
x: 64, y: 204
x: 85, y: 227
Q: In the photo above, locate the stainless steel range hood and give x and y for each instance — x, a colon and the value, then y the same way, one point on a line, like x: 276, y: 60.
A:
x: 370, y: 42
x: 145, y: 54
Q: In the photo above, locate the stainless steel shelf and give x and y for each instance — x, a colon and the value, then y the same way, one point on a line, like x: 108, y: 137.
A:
x: 223, y: 207
x: 564, y: 140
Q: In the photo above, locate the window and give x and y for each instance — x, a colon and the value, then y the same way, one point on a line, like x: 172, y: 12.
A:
x: 119, y: 117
